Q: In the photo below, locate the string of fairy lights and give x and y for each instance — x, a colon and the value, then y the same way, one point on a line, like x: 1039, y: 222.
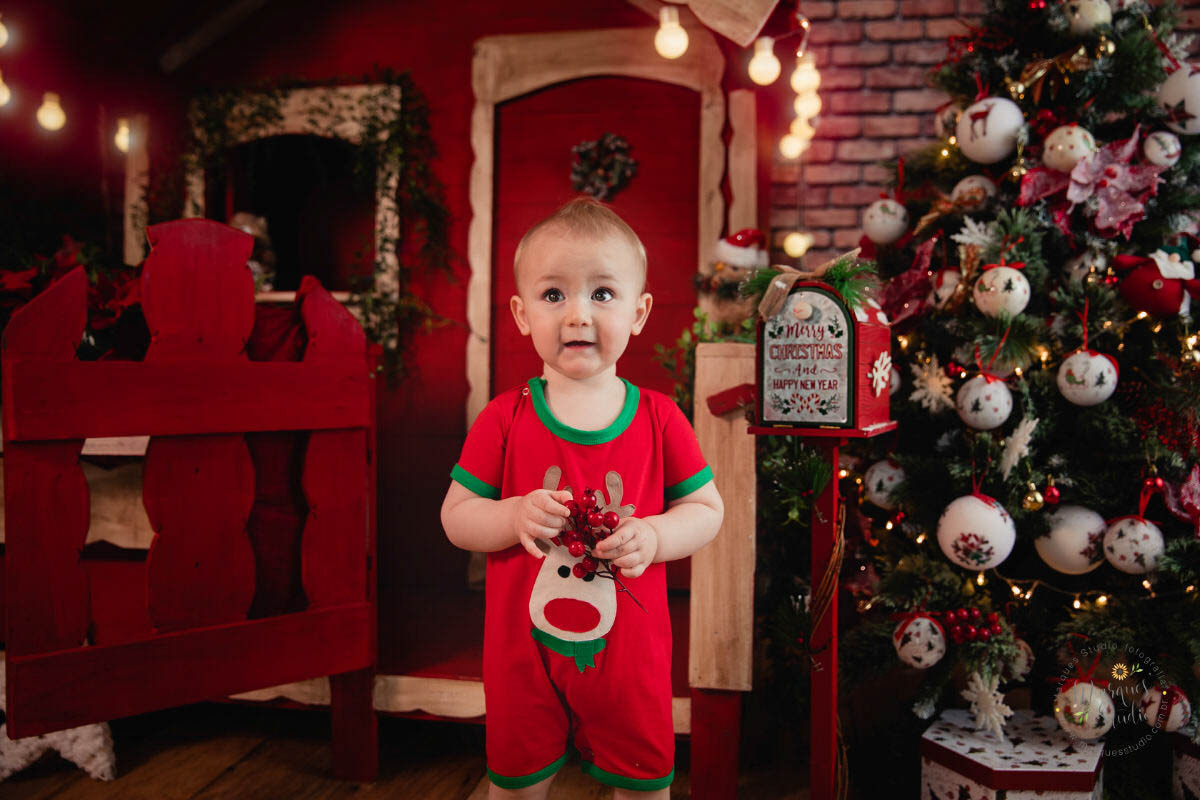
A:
x: 50, y: 115
x: 764, y: 68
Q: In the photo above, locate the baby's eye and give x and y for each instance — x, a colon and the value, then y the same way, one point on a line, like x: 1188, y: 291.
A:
x: 552, y: 296
x: 603, y: 295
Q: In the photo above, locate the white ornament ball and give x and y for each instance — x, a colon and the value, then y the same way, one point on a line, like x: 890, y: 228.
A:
x: 1020, y: 666
x: 1075, y: 543
x: 1001, y: 290
x: 945, y: 282
x: 895, y: 381
x: 973, y: 182
x: 879, y: 481
x: 1066, y: 145
x: 1078, y: 267
x: 946, y: 120
x: 984, y: 402
x: 920, y: 641
x: 1177, y: 713
x: 1084, y: 710
x: 1133, y: 544
x: 1181, y: 90
x: 885, y: 221
x: 975, y: 532
x: 987, y: 131
x: 1084, y: 16
x: 1162, y: 149
x: 1087, y: 378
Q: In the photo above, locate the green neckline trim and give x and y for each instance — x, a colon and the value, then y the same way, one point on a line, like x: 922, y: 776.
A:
x: 537, y: 391
x: 584, y: 653
x: 474, y: 484
x: 622, y: 782
x: 521, y: 781
x: 689, y: 485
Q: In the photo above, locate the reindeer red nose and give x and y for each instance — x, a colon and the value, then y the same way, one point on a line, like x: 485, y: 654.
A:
x: 568, y: 614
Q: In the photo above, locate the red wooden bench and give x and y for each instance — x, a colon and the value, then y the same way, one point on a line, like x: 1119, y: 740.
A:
x: 196, y: 394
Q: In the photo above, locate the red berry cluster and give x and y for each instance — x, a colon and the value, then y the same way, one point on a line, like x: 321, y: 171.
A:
x: 586, y: 527
x: 969, y: 625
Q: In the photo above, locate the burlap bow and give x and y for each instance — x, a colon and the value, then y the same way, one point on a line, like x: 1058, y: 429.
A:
x: 781, y: 285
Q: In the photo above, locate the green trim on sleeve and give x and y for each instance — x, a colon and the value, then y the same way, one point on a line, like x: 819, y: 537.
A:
x: 521, y: 781
x: 537, y: 392
x: 622, y: 782
x: 686, y: 487
x: 474, y: 484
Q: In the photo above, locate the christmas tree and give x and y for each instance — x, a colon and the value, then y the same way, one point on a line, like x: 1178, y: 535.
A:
x: 1035, y: 520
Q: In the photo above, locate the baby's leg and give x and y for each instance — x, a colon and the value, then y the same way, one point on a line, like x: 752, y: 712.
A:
x: 537, y: 791
x: 630, y: 794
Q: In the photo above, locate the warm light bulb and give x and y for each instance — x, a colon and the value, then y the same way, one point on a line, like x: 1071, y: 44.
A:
x: 801, y: 128
x: 796, y: 244
x: 764, y: 67
x: 5, y: 92
x: 121, y: 140
x: 805, y: 77
x: 807, y: 105
x: 1016, y: 590
x: 792, y: 146
x: 979, y: 579
x: 671, y: 41
x: 1102, y: 599
x: 50, y: 114
x: 1077, y: 604
x: 3, y: 37
x: 921, y: 539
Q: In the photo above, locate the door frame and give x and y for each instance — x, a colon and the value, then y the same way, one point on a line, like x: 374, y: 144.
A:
x: 505, y: 67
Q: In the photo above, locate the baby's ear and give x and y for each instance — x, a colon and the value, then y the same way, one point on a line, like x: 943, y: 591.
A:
x: 518, y: 311
x: 643, y: 312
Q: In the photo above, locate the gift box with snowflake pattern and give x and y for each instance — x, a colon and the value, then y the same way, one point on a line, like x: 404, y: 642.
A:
x: 1037, y: 761
x: 1185, y: 774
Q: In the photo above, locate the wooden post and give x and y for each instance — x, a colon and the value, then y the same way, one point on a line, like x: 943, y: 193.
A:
x: 720, y: 650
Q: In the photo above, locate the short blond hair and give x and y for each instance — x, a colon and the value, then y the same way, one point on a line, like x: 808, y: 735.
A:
x: 584, y: 216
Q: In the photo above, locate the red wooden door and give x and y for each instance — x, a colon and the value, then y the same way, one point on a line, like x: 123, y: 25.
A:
x: 535, y: 134
x: 196, y: 394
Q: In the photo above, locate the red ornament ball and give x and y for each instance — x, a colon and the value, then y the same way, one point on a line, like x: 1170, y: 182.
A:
x: 1051, y: 495
x: 578, y: 570
x: 576, y: 549
x: 984, y: 634
x: 611, y: 519
x: 588, y: 563
x: 595, y: 519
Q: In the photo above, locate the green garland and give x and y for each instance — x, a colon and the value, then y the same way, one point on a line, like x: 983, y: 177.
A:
x: 852, y: 278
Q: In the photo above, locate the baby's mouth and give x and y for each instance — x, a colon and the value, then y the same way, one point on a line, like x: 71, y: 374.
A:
x: 578, y: 344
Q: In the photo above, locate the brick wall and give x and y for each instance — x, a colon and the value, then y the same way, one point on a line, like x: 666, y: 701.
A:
x: 873, y: 56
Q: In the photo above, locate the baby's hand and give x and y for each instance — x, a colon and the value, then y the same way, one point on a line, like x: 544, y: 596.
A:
x: 632, y: 546
x: 540, y: 515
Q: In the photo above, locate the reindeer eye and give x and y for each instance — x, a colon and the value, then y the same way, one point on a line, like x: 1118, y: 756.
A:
x: 564, y: 571
x: 589, y: 577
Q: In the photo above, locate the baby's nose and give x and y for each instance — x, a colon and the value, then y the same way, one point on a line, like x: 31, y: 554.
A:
x: 578, y: 313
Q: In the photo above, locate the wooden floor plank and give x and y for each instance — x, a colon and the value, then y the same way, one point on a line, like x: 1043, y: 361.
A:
x: 42, y: 780
x: 292, y: 768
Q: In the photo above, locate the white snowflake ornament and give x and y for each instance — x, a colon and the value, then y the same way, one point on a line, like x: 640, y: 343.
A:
x: 1001, y: 290
x: 932, y: 387
x: 880, y: 479
x: 1084, y: 710
x: 984, y: 402
x: 976, y: 532
x: 1087, y: 377
x: 987, y: 704
x: 1133, y: 544
x: 1016, y: 446
x: 1075, y: 543
x: 881, y: 372
x: 920, y: 641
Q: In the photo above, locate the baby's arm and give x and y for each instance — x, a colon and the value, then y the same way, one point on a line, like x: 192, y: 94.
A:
x: 689, y: 523
x: 485, y: 526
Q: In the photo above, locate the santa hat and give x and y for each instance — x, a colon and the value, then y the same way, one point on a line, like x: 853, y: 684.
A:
x: 746, y: 248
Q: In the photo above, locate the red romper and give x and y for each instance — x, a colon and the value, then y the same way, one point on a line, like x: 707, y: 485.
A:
x: 567, y: 659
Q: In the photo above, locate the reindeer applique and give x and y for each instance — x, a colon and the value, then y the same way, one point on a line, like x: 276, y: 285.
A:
x: 572, y: 612
x: 980, y: 116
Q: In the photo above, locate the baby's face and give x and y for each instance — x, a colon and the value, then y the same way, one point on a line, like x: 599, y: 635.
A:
x: 579, y: 298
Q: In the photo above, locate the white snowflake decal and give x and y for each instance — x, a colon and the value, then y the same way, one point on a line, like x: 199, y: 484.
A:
x: 932, y: 386
x: 1016, y: 446
x: 987, y: 704
x: 881, y: 372
x: 981, y: 234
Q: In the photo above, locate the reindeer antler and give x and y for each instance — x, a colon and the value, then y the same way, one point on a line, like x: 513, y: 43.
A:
x: 616, y: 491
x: 551, y: 479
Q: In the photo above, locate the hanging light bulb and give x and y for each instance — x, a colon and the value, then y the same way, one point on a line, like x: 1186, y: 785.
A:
x: 121, y: 140
x: 792, y: 146
x: 805, y: 77
x: 801, y: 128
x: 796, y: 244
x: 50, y: 114
x: 764, y: 67
x: 3, y: 36
x: 5, y: 92
x: 671, y: 41
x: 807, y: 105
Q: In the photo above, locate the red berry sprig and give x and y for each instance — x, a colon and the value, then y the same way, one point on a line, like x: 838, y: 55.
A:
x: 970, y: 625
x: 586, y: 527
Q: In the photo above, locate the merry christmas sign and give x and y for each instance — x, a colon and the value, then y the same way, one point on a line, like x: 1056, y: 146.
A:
x: 822, y: 365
